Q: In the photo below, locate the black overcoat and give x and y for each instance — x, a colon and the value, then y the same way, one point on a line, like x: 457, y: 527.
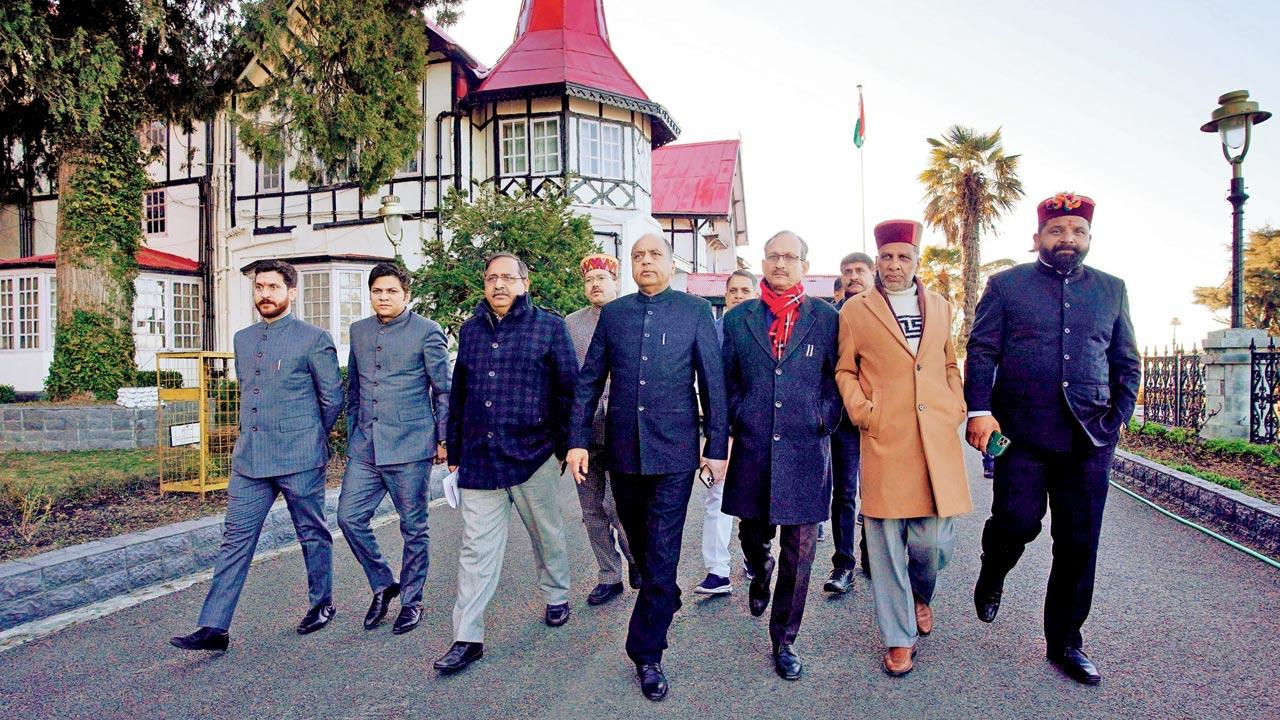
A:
x: 782, y: 414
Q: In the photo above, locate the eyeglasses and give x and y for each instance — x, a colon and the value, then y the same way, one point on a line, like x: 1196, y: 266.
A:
x: 506, y: 279
x: 787, y: 258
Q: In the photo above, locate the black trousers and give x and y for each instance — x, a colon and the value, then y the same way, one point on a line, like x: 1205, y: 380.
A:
x: 652, y: 509
x: 846, y: 446
x: 1074, y: 486
x: 795, y: 562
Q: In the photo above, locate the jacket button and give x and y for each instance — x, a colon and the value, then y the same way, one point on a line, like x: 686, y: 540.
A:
x: 377, y: 367
x: 1066, y: 304
x: 259, y: 354
x: 920, y: 407
x: 375, y: 401
x: 375, y: 383
x: 255, y: 391
x: 648, y: 312
x: 379, y: 348
x: 257, y: 372
x: 776, y: 438
x: 646, y: 334
x: 264, y: 336
x: 489, y: 435
x: 255, y: 428
x: 777, y: 371
x: 644, y: 358
x: 495, y: 346
x: 488, y: 403
x: 1065, y: 383
x: 492, y: 373
x: 254, y: 410
x: 375, y: 419
x: 1066, y: 330
x: 919, y: 368
x: 777, y: 403
x: 641, y: 408
x: 1066, y: 357
x: 641, y: 382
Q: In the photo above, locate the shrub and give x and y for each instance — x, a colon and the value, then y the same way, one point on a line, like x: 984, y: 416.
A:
x: 8, y: 394
x: 168, y: 378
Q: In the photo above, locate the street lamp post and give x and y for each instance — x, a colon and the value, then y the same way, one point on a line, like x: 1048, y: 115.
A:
x: 1174, y: 323
x: 392, y: 214
x: 1233, y: 121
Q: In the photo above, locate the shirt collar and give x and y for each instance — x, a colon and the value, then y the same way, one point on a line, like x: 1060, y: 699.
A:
x: 280, y: 320
x: 663, y: 296
x: 397, y: 320
x: 1051, y: 271
x: 518, y: 308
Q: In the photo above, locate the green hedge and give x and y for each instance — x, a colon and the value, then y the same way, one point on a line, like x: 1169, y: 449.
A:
x: 147, y: 378
x: 1266, y: 454
x: 8, y: 394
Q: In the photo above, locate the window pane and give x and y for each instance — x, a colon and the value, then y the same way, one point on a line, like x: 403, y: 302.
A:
x: 515, y: 149
x: 186, y: 315
x: 350, y: 302
x: 411, y: 166
x: 148, y: 314
x: 271, y: 176
x: 7, y: 301
x: 589, y: 163
x: 156, y: 134
x: 611, y: 151
x: 546, y: 145
x: 315, y: 299
x: 28, y: 313
x: 153, y: 211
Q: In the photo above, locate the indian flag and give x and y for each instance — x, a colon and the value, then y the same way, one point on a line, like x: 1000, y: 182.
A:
x: 860, y: 129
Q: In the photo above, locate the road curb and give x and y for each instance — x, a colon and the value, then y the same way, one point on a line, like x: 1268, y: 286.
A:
x: 60, y: 580
x: 1243, y: 518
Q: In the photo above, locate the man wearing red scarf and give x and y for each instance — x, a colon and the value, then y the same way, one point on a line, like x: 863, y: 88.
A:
x: 779, y: 363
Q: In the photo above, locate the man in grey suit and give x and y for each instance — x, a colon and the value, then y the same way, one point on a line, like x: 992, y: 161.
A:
x: 290, y: 397
x: 397, y: 405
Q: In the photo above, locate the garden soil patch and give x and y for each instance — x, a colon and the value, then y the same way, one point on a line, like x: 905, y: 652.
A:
x: 1259, y: 479
x: 117, y: 513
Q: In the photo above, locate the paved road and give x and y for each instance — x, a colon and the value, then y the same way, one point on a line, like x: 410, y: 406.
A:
x: 1183, y: 627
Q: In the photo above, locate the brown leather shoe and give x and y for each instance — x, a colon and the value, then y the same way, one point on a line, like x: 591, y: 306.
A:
x: 924, y: 618
x: 898, y: 661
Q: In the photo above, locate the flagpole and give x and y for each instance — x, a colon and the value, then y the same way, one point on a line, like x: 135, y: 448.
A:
x: 862, y: 178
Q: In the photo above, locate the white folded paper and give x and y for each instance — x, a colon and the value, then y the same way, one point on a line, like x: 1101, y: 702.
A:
x: 451, y: 489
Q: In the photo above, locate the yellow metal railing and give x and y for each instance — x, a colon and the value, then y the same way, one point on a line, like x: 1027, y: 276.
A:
x: 197, y: 420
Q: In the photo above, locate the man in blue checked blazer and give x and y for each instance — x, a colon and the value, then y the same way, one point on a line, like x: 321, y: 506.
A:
x: 652, y: 346
x: 397, y: 406
x: 290, y: 397
x: 508, y: 425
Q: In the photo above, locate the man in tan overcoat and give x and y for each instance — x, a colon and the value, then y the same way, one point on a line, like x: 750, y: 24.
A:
x: 901, y: 385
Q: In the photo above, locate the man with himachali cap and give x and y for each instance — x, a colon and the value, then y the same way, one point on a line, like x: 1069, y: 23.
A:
x: 900, y: 381
x: 1068, y: 370
x: 599, y: 510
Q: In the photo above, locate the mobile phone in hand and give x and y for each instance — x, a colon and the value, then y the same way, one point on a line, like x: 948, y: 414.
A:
x: 706, y: 477
x: 997, y: 444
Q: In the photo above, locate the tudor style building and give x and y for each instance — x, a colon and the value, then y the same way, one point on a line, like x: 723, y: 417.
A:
x: 558, y: 112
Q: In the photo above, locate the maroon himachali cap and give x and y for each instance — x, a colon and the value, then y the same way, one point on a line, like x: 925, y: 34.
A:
x: 898, y: 231
x: 1065, y: 203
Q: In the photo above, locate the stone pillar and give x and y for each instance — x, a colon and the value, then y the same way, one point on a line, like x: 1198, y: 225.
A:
x: 1226, y: 382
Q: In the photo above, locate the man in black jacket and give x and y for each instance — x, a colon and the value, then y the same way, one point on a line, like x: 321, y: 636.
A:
x: 1059, y: 334
x: 651, y: 346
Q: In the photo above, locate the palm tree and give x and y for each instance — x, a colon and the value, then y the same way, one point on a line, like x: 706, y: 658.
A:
x: 969, y: 184
x: 941, y: 270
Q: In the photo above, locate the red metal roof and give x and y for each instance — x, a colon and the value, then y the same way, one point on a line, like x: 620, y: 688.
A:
x: 148, y: 259
x: 562, y: 41
x: 711, y: 285
x: 695, y: 179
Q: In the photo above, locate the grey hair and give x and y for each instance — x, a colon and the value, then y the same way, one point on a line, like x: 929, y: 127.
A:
x: 804, y: 246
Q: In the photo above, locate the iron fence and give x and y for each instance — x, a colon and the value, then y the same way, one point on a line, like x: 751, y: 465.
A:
x: 1173, y: 389
x: 1264, y: 392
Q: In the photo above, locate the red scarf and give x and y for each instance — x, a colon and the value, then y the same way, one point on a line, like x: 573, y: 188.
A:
x: 785, y: 307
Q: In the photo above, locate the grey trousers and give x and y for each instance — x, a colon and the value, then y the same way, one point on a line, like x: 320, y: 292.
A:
x: 600, y: 515
x: 486, y: 515
x: 363, y: 487
x: 248, y: 502
x: 906, y: 556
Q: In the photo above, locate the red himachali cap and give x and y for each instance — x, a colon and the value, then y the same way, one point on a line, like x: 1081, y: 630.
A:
x: 898, y: 231
x: 1065, y: 203
x: 599, y: 261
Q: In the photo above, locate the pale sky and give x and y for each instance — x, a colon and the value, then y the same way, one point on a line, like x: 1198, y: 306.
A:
x: 1101, y: 98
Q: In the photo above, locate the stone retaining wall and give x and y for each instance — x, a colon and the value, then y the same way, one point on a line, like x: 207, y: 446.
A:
x: 61, y: 580
x: 1243, y: 518
x: 43, y: 428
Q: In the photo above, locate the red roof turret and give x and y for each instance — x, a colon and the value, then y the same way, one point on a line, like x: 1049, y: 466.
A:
x: 562, y: 47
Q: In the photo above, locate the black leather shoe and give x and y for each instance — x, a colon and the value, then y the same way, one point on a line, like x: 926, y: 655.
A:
x: 1076, y: 665
x: 603, y: 593
x: 986, y: 595
x: 316, y: 618
x: 786, y: 663
x: 378, y: 608
x: 653, y: 682
x: 840, y: 582
x: 408, y: 619
x: 633, y: 576
x: 203, y: 639
x: 758, y: 591
x: 866, y: 561
x: 557, y: 615
x: 460, y: 655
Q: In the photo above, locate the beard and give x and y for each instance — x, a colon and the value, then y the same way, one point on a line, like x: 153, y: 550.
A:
x: 1064, y: 260
x: 275, y: 311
